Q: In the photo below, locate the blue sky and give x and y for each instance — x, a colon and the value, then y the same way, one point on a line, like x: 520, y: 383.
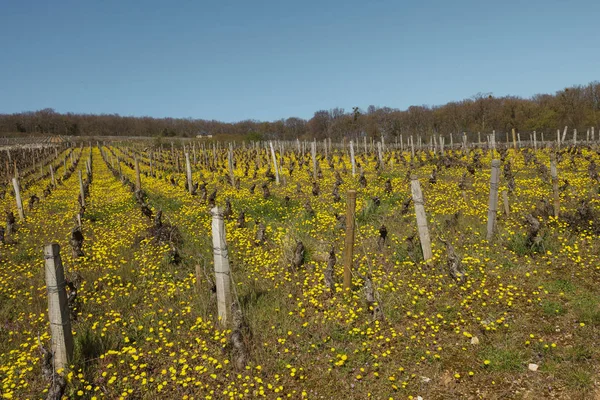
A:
x: 266, y: 60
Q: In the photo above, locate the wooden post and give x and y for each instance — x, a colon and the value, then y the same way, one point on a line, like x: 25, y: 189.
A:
x: 514, y: 138
x: 53, y: 180
x: 15, y: 183
x: 138, y: 180
x: 230, y: 164
x: 152, y: 173
x: 222, y: 272
x: 412, y: 147
x: 198, y: 277
x: 564, y: 135
x: 417, y: 196
x: 188, y: 170
x: 379, y: 155
x: 493, y: 200
x: 81, y: 191
x: 58, y: 308
x: 314, y: 158
x: 349, y: 239
x: 352, y: 160
x: 505, y: 200
x: 274, y: 162
x: 554, y: 174
x: 534, y: 140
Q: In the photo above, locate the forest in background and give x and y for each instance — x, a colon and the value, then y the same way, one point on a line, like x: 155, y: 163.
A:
x: 577, y: 107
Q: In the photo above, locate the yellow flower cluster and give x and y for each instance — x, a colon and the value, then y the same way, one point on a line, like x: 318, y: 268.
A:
x: 147, y: 327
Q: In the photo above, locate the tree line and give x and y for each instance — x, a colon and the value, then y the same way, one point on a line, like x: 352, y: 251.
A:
x: 577, y: 107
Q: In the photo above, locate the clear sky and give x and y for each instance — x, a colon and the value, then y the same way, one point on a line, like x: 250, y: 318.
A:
x: 265, y: 60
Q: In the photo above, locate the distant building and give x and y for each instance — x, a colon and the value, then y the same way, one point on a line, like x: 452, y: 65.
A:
x: 203, y: 134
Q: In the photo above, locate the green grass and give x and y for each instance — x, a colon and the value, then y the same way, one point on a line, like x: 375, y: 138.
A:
x: 504, y: 359
x: 553, y: 309
x: 579, y: 379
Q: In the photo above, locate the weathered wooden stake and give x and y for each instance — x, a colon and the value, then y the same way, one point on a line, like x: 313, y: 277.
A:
x: 274, y: 162
x: 81, y: 191
x: 198, y: 277
x: 493, y: 200
x: 58, y: 308
x: 505, y: 200
x: 138, y: 180
x: 15, y: 183
x: 417, y: 196
x: 222, y: 272
x: 53, y: 180
x: 230, y: 164
x: 313, y: 149
x: 188, y: 170
x: 554, y: 174
x: 349, y: 239
x: 352, y: 160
